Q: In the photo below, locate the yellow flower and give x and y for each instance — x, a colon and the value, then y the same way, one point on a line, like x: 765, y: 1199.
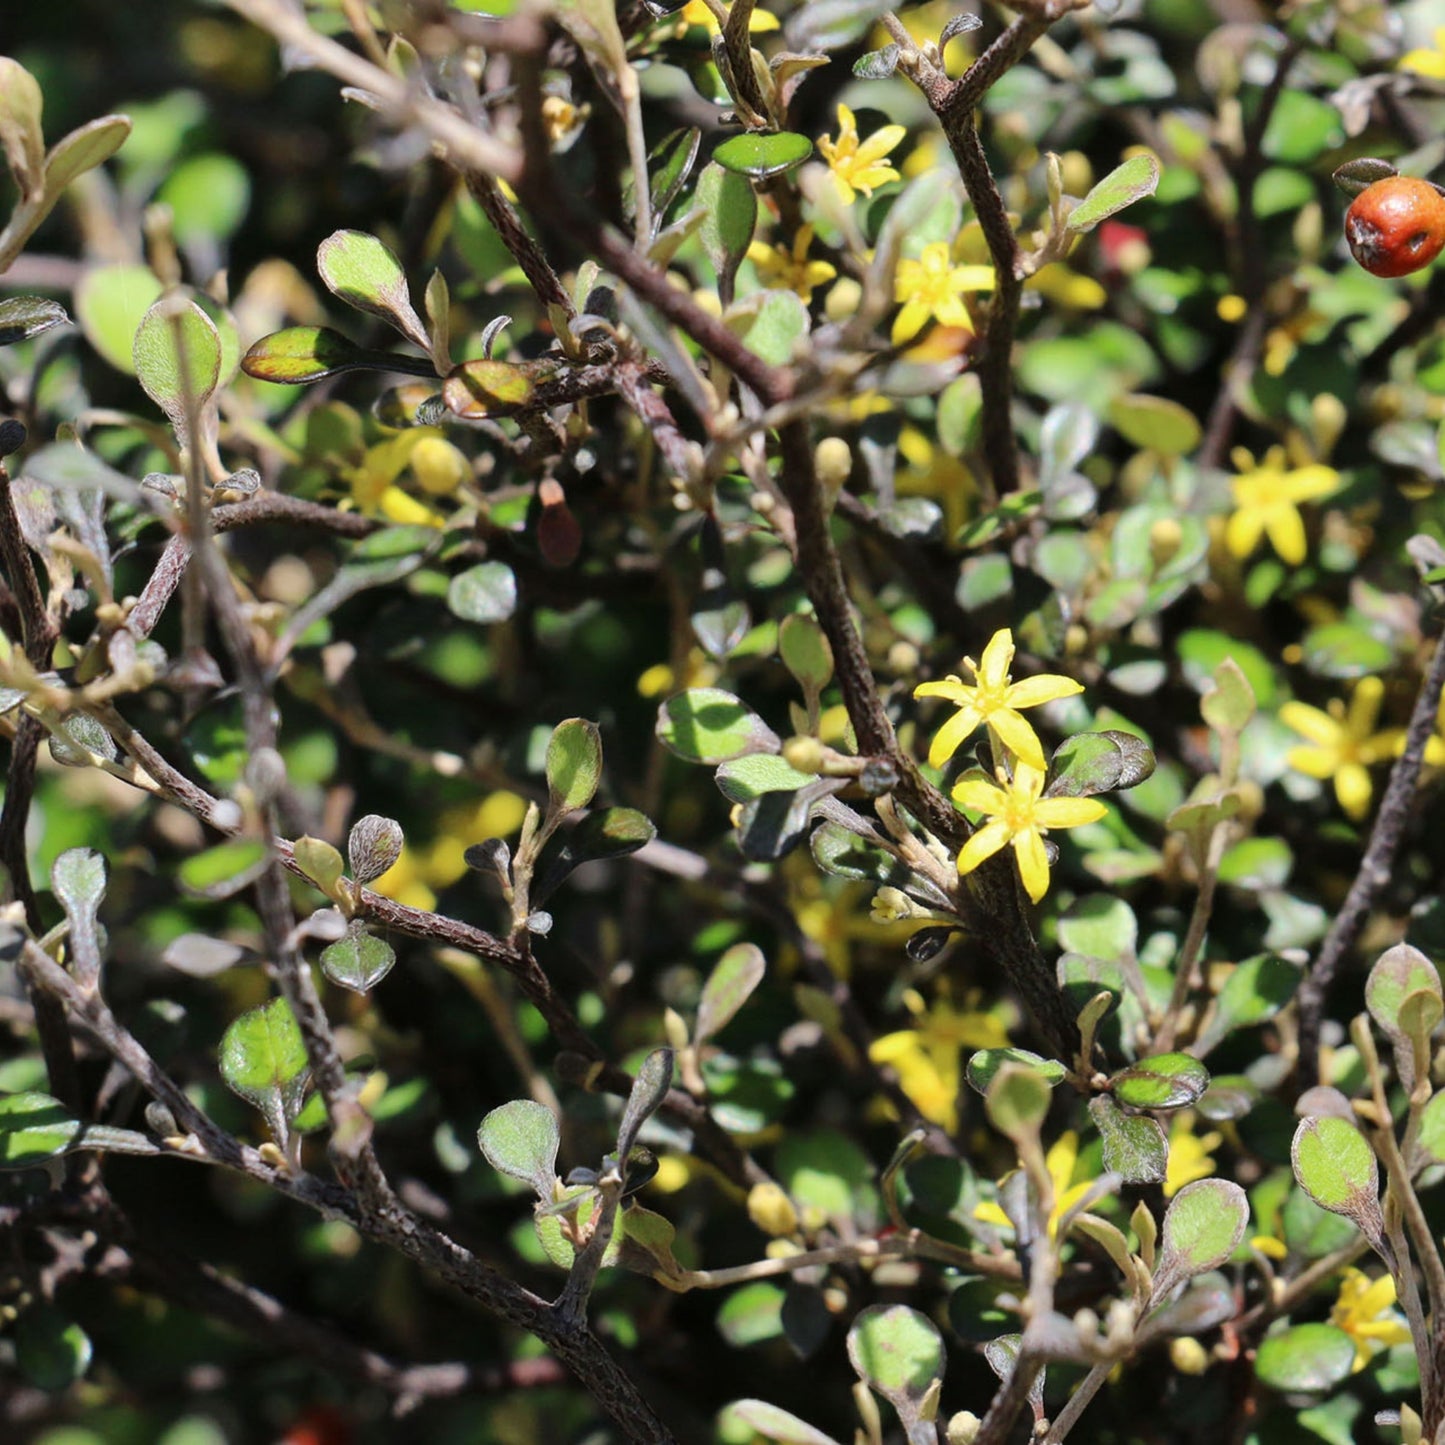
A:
x: 373, y: 482
x: 1266, y: 501
x: 1189, y: 1154
x: 926, y: 1057
x: 859, y: 165
x: 1364, y: 1312
x: 932, y: 287
x: 697, y: 12
x: 1060, y: 1161
x: 933, y: 472
x: 1427, y: 62
x: 994, y: 700
x: 1019, y: 815
x: 1345, y: 745
x: 783, y: 269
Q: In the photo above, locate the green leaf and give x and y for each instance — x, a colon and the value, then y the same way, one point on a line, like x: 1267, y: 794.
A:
x: 1336, y: 1167
x: 77, y: 879
x: 311, y: 353
x: 1253, y: 993
x: 1230, y: 704
x: 1203, y: 1226
x: 898, y: 1352
x: 22, y: 317
x: 1136, y: 178
x: 1017, y: 1101
x: 826, y: 1171
x: 770, y: 323
x: 605, y: 833
x: 1100, y: 926
x: 360, y: 270
x: 843, y: 853
x: 484, y: 388
x: 1430, y: 1138
x: 209, y: 195
x: 877, y: 64
x: 771, y: 1422
x: 649, y: 1089
x: 730, y: 213
x: 1134, y: 1144
x: 985, y: 1063
x: 708, y: 725
x: 773, y: 823
x: 520, y: 1140
x: 360, y: 960
x: 758, y: 155
x: 1397, y: 973
x: 373, y: 845
x: 22, y: 137
x: 225, y: 869
x: 484, y: 593
x: 35, y: 1127
x: 746, y: 778
x: 1360, y: 174
x: 806, y: 651
x: 110, y: 303
x: 177, y: 356
x: 574, y: 765
x: 51, y: 1349
x: 1090, y: 763
x: 1156, y: 424
x: 1307, y: 1359
x: 86, y: 147
x: 751, y: 1315
x: 263, y: 1059
x: 320, y: 862
x: 730, y: 984
x: 1165, y: 1081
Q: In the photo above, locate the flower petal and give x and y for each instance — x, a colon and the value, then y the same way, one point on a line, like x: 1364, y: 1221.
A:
x: 993, y: 666
x: 1310, y: 722
x: 1033, y: 862
x: 980, y: 795
x: 984, y: 844
x: 950, y: 736
x: 1068, y: 812
x: 1286, y: 531
x: 1352, y: 788
x: 953, y: 688
x: 1242, y: 533
x: 1046, y: 687
x: 1016, y: 735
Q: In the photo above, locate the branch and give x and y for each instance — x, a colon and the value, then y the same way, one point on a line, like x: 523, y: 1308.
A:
x: 1375, y: 868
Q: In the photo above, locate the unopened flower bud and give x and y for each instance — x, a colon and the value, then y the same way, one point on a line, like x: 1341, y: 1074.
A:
x: 771, y: 1210
x: 1188, y: 1356
x: 805, y: 754
x: 833, y: 461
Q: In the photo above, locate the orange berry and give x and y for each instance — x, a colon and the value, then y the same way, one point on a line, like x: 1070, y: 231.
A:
x: 1396, y: 226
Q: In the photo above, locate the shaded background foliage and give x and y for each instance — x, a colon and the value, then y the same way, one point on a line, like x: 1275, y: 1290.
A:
x: 588, y: 640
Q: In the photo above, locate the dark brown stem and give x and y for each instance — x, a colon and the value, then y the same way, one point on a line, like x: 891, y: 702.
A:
x: 993, y: 909
x: 1375, y: 868
x: 38, y: 633
x: 515, y: 237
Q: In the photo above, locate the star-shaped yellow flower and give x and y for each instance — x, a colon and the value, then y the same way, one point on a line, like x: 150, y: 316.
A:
x: 994, y: 700
x: 784, y: 268
x: 1060, y: 1161
x: 1019, y: 815
x: 859, y: 165
x: 932, y: 287
x: 1266, y: 502
x: 1364, y: 1312
x: 1344, y: 744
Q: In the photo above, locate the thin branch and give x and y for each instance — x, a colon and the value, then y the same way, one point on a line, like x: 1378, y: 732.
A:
x: 1375, y: 867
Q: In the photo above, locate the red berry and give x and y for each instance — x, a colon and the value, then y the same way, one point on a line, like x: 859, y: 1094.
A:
x: 1396, y: 226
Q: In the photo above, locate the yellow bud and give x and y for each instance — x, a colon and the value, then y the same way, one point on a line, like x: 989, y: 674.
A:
x: 439, y: 468
x: 771, y: 1209
x: 1078, y: 174
x: 963, y: 1428
x: 844, y: 297
x: 833, y: 460
x: 805, y: 754
x: 1164, y: 539
x: 675, y: 1028
x: 1328, y: 416
x: 1188, y: 1356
